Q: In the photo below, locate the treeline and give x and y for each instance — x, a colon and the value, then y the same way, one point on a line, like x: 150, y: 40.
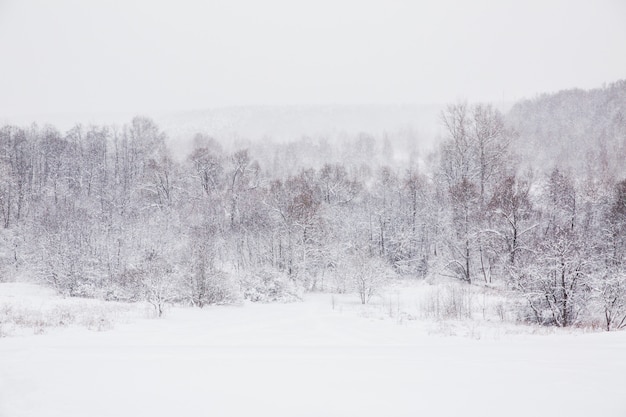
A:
x: 106, y: 212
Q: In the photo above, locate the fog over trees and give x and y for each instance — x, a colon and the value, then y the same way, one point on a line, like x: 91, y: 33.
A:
x: 531, y: 202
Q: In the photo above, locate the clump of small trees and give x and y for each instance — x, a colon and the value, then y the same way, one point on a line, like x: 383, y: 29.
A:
x: 556, y: 238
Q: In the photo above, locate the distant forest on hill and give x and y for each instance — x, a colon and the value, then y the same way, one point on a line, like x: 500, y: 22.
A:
x: 531, y: 202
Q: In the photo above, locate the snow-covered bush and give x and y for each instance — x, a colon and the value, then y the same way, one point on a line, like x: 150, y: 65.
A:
x: 369, y: 275
x: 211, y: 287
x: 161, y: 287
x: 267, y: 285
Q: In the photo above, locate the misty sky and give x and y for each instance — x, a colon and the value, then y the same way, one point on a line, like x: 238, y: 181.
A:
x: 66, y: 56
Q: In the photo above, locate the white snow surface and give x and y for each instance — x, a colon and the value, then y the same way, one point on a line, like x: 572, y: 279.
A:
x: 314, y: 358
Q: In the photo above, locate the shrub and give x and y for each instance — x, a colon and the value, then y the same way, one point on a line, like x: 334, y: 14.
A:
x: 216, y: 287
x: 269, y: 285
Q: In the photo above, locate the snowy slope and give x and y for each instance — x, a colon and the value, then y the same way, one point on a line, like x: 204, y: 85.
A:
x: 306, y: 359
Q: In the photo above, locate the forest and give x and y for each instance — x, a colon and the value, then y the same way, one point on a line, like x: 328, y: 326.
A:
x: 530, y: 202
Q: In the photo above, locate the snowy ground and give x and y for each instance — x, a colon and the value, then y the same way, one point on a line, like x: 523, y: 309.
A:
x: 316, y: 358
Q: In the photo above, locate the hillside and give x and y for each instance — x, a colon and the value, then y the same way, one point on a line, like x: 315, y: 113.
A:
x: 574, y: 128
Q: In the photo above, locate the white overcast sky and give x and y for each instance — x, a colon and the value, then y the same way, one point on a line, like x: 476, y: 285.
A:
x: 67, y: 56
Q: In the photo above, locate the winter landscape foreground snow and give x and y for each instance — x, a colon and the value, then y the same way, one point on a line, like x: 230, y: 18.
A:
x: 326, y: 356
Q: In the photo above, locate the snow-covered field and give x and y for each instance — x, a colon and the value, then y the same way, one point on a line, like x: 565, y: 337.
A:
x: 326, y: 356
